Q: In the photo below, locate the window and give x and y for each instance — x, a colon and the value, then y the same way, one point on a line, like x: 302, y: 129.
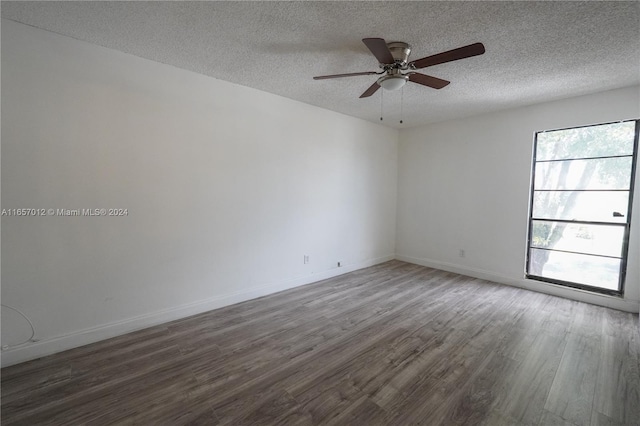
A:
x: 580, y: 212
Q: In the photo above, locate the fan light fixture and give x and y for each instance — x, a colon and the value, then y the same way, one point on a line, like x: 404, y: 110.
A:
x: 392, y: 82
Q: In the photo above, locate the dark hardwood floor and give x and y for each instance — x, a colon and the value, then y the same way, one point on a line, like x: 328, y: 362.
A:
x: 394, y: 344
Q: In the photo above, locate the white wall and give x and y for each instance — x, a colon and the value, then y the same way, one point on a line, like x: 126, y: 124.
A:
x: 464, y: 184
x: 227, y: 188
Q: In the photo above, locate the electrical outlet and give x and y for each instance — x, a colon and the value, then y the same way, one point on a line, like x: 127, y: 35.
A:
x: 461, y: 253
x: 339, y: 264
x: 306, y: 259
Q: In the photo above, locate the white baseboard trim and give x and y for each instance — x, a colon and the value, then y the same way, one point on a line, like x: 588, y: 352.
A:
x: 86, y: 336
x: 613, y: 302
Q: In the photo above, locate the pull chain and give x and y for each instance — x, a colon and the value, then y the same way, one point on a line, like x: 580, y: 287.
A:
x: 381, y: 96
x: 401, y: 102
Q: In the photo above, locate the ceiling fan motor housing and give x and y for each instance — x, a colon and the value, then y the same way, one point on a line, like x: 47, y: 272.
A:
x: 400, y: 52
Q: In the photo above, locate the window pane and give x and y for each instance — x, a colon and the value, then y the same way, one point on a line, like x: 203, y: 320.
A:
x: 607, y: 173
x: 582, y: 176
x: 604, y: 240
x: 577, y: 268
x: 594, y: 141
x: 597, y: 206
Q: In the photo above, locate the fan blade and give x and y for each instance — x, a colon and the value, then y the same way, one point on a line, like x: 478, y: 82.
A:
x: 427, y: 80
x: 451, y: 55
x: 380, y: 50
x: 323, y: 77
x: 371, y: 90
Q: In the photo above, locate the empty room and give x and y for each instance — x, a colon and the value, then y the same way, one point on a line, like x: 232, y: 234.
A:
x: 320, y: 213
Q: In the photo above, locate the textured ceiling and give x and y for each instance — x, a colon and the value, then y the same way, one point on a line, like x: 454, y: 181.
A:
x: 535, y: 51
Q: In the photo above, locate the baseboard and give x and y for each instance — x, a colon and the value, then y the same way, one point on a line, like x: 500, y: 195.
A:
x: 86, y: 336
x: 547, y: 288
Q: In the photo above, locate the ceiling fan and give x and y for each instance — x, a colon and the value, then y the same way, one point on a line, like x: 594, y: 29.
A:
x: 397, y: 70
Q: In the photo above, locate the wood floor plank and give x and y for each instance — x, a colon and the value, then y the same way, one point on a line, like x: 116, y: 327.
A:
x: 393, y: 344
x: 111, y: 400
x: 267, y: 408
x: 573, y: 391
x: 364, y: 412
x: 82, y: 387
x: 525, y: 386
x: 599, y: 419
x: 473, y: 399
x: 550, y: 419
x: 618, y: 375
x: 495, y: 418
x: 329, y: 399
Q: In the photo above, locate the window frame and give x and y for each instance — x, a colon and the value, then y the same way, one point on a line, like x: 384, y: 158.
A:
x: 627, y: 224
